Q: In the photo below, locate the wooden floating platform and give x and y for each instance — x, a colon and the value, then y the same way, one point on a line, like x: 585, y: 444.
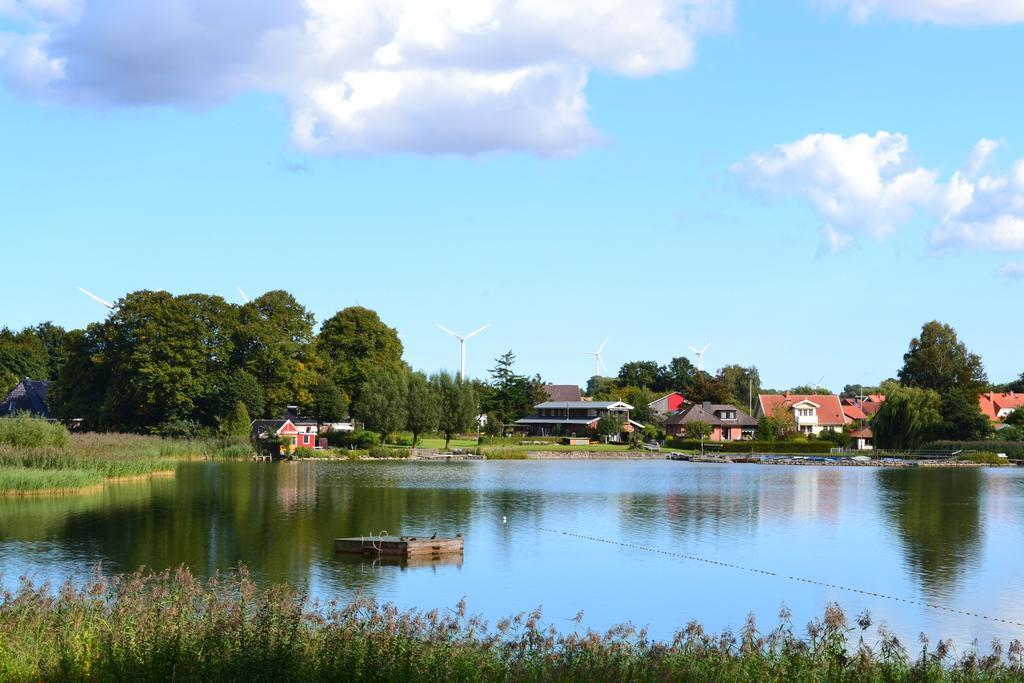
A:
x: 399, y: 546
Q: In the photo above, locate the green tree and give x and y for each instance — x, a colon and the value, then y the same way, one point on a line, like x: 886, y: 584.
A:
x: 423, y: 407
x: 640, y: 398
x: 641, y: 373
x: 938, y: 360
x: 509, y: 395
x: 708, y: 388
x: 909, y: 417
x: 598, y: 387
x: 680, y: 375
x: 52, y: 338
x: 274, y: 343
x: 776, y: 426
x: 383, y: 402
x: 237, y: 385
x: 493, y: 426
x: 329, y: 402
x: 741, y: 383
x: 82, y: 380
x: 22, y: 354
x: 697, y: 430
x: 354, y: 343
x: 459, y: 406
x: 608, y: 425
x: 237, y: 423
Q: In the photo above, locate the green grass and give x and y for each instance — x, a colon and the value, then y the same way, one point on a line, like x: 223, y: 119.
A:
x: 174, y: 626
x: 22, y: 480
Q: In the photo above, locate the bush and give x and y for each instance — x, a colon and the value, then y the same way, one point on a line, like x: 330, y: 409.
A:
x: 1013, y: 449
x: 181, y: 429
x: 515, y: 440
x: 361, y: 439
x: 797, y: 447
x: 31, y: 432
x: 982, y: 458
x: 402, y: 439
x: 385, y: 452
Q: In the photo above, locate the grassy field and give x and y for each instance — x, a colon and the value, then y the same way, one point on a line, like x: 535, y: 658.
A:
x: 174, y: 626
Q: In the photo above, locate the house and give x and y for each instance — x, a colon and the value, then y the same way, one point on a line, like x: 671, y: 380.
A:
x: 863, y: 439
x: 292, y: 436
x: 669, y: 403
x: 853, y: 411
x: 563, y: 392
x: 812, y: 413
x: 996, y: 407
x: 728, y: 423
x: 28, y: 396
x: 575, y: 418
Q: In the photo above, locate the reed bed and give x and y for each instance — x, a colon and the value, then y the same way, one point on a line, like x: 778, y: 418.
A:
x: 172, y: 626
x: 29, y: 480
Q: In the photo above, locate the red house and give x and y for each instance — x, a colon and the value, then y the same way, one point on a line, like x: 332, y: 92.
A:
x: 293, y: 436
x: 669, y: 403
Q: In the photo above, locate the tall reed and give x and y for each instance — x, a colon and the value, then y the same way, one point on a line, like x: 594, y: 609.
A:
x: 173, y: 626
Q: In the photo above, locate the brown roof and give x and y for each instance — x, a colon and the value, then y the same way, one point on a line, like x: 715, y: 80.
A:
x: 563, y: 392
x: 705, y: 412
x: 865, y: 433
x: 830, y: 410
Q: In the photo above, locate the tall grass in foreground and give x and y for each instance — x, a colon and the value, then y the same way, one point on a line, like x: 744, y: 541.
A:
x: 173, y: 626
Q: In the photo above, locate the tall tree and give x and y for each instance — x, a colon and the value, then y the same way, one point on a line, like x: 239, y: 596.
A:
x: 741, y: 383
x: 383, y: 402
x: 909, y: 417
x: 938, y: 360
x: 459, y: 406
x: 680, y: 374
x: 511, y: 396
x: 423, y: 407
x: 641, y: 373
x: 22, y: 354
x: 354, y: 343
x: 330, y: 404
x: 274, y: 343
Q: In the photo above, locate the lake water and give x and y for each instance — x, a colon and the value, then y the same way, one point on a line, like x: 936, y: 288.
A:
x: 950, y: 538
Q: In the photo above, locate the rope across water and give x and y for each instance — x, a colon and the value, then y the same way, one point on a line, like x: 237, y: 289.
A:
x: 765, y: 572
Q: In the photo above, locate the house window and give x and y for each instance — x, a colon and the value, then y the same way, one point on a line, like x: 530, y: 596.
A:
x: 591, y: 412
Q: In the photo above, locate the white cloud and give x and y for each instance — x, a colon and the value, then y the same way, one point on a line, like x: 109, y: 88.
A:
x: 946, y: 12
x: 864, y: 183
x: 1013, y: 269
x: 363, y: 76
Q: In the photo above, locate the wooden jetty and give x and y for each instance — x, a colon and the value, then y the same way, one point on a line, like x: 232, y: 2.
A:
x: 399, y: 546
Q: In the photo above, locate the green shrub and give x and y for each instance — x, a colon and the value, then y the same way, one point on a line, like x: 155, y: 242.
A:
x: 798, y: 447
x: 23, y: 431
x: 515, y: 440
x: 982, y: 458
x: 1013, y: 449
x: 402, y: 439
x: 361, y: 439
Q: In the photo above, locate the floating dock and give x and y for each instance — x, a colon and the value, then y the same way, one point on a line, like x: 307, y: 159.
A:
x: 399, y: 546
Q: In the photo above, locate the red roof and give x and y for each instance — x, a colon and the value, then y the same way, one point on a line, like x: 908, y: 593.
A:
x: 991, y: 403
x: 853, y: 411
x: 830, y: 410
x: 865, y: 433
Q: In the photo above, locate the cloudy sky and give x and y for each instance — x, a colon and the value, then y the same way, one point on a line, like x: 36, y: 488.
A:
x: 802, y: 183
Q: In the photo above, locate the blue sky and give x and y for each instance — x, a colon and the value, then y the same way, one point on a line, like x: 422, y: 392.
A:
x: 662, y: 214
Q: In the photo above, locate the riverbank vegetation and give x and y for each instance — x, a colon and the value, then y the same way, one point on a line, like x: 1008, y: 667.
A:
x: 38, y: 456
x: 174, y: 626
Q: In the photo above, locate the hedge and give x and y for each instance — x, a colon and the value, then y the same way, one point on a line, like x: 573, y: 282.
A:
x: 815, y: 447
x: 516, y: 440
x: 1013, y: 449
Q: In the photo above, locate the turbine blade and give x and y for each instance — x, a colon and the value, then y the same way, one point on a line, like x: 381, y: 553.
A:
x: 476, y: 332
x: 244, y: 297
x: 706, y: 347
x: 96, y: 298
x: 450, y: 332
x: 601, y: 348
x: 601, y: 360
x: 694, y: 349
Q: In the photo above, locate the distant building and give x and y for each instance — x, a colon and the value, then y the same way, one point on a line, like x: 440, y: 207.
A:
x: 853, y: 411
x: 728, y: 423
x: 28, y: 396
x: 292, y: 436
x: 575, y: 418
x: 563, y: 392
x: 996, y: 407
x: 862, y: 439
x: 669, y: 403
x: 812, y: 413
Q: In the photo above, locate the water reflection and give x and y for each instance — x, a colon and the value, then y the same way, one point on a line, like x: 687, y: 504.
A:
x: 936, y: 513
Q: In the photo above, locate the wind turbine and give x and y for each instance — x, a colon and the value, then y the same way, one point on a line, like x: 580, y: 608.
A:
x: 102, y: 302
x: 598, y: 361
x: 462, y: 346
x: 817, y: 385
x: 700, y: 356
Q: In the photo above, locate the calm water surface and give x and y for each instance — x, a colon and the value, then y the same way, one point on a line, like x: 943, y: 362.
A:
x: 949, y: 537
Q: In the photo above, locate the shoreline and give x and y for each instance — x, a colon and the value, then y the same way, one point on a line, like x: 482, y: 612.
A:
x: 83, y: 490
